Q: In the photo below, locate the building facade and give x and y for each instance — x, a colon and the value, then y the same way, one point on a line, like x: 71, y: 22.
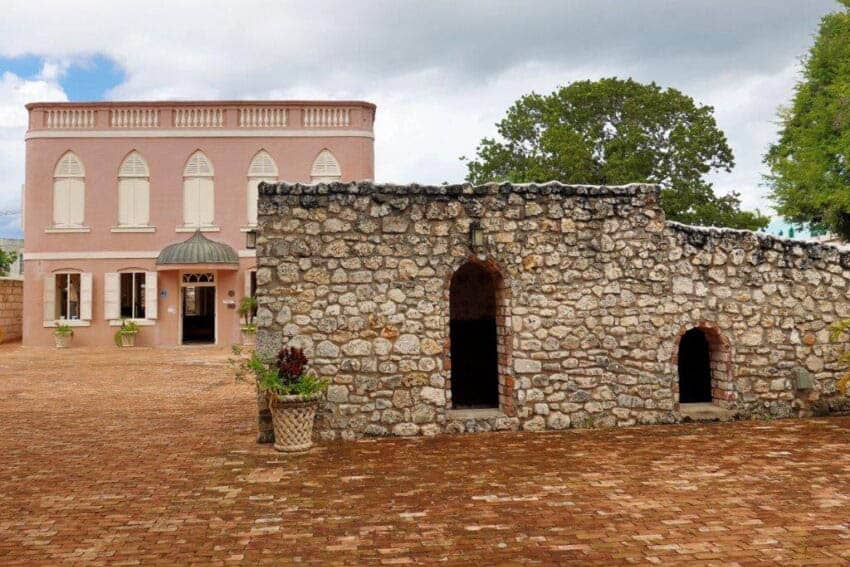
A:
x: 458, y: 308
x: 110, y: 186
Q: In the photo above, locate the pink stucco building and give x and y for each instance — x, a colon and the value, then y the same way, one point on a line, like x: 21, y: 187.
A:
x: 109, y: 186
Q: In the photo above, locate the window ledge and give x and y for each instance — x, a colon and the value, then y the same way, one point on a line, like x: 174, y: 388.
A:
x: 66, y: 229
x: 133, y: 229
x: 139, y: 322
x: 210, y: 228
x: 69, y: 322
x: 249, y: 228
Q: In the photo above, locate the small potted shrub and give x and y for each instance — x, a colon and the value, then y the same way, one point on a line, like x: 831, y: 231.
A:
x: 247, y: 309
x: 62, y: 334
x: 293, y: 395
x: 125, y: 336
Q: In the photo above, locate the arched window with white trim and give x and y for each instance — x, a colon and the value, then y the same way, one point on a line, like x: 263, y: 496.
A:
x: 262, y: 168
x: 325, y: 168
x: 134, y: 191
x: 69, y: 190
x: 198, y: 191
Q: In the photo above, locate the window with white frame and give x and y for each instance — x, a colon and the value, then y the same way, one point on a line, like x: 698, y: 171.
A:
x: 67, y: 296
x: 325, y: 168
x: 134, y: 191
x: 69, y: 192
x: 262, y: 168
x: 130, y: 295
x: 198, y: 192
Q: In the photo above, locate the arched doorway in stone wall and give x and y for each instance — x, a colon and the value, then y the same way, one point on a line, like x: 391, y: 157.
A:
x: 474, y: 336
x: 702, y: 359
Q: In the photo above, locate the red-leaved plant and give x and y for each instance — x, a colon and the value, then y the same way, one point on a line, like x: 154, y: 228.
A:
x: 291, y: 364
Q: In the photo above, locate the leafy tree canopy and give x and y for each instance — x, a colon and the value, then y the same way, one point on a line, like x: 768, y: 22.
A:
x: 6, y: 260
x: 612, y: 132
x: 809, y: 170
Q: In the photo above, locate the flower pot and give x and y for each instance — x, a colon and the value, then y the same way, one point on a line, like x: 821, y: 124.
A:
x: 128, y: 339
x: 293, y: 421
x: 62, y: 341
x: 249, y: 337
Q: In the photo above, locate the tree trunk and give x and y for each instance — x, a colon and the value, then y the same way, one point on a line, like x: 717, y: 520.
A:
x: 265, y: 427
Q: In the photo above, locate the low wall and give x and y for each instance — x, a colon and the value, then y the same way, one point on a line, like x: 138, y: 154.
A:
x: 11, y: 309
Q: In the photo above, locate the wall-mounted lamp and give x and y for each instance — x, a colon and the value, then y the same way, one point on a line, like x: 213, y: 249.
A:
x: 251, y: 239
x: 476, y: 235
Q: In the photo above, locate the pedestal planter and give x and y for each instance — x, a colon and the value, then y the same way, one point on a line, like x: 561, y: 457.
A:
x: 293, y: 421
x: 128, y: 340
x: 62, y: 341
x: 249, y: 337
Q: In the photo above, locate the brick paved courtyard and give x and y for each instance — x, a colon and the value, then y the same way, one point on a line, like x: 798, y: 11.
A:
x: 148, y: 456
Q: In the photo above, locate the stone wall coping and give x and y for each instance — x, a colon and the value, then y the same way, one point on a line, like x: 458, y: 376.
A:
x: 12, y: 278
x: 458, y: 190
x: 699, y: 236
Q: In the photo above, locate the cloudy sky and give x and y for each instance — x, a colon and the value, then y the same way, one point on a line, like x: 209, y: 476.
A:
x: 441, y: 72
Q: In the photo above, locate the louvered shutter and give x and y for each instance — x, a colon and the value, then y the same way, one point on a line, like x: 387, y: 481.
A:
x: 112, y: 296
x: 85, y: 296
x: 151, y: 295
x: 49, y: 298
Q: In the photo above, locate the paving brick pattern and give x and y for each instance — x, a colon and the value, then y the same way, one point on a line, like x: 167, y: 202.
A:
x: 148, y: 457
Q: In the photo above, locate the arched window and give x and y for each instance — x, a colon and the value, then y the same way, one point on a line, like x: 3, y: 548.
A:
x: 325, y: 168
x: 262, y: 168
x: 133, y: 191
x: 69, y: 190
x: 198, y: 191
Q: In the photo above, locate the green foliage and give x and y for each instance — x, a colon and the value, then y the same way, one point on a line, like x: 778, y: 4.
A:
x: 128, y: 327
x: 6, y: 261
x: 63, y: 330
x: 612, y: 132
x: 268, y: 377
x: 810, y: 163
x: 837, y: 332
x: 247, y: 309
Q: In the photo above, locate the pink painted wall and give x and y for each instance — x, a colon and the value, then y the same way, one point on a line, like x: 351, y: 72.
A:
x: 166, y: 158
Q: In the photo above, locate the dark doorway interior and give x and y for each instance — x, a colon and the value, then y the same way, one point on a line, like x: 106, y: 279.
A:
x: 473, y: 329
x: 694, y: 368
x: 198, y: 315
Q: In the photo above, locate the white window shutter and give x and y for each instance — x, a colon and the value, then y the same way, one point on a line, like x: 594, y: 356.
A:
x: 85, y: 296
x: 125, y: 202
x: 76, y: 201
x: 49, y: 298
x: 60, y: 201
x: 206, y: 204
x: 112, y: 296
x: 248, y: 283
x: 151, y: 295
x: 190, y: 201
x: 141, y: 202
x: 252, y: 200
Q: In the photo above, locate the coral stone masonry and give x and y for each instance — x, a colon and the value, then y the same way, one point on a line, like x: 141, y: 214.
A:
x: 459, y: 308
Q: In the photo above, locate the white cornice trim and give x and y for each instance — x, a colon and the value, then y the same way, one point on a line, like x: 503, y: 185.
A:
x: 199, y: 133
x: 110, y: 255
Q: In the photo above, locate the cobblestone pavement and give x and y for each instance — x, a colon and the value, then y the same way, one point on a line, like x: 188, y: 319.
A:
x: 148, y: 456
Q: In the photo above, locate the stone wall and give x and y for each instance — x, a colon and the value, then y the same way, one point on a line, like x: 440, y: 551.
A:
x: 593, y: 290
x: 11, y: 309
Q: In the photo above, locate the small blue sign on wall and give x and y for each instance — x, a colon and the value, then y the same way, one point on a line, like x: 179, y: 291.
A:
x: 163, y: 293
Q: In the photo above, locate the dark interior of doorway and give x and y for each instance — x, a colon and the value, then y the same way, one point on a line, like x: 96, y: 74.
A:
x: 473, y: 335
x: 694, y: 368
x: 198, y: 315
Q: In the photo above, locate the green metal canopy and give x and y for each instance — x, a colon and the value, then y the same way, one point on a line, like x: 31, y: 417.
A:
x: 198, y: 249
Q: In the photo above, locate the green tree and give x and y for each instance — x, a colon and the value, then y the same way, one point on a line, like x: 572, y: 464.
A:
x: 613, y: 132
x: 809, y: 170
x: 6, y: 261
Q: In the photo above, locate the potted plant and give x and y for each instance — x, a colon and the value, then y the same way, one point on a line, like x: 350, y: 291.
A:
x: 62, y: 334
x: 125, y: 336
x: 293, y: 395
x: 247, y: 309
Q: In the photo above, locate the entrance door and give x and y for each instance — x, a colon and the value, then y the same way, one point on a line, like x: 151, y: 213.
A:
x: 473, y: 335
x: 694, y: 368
x: 198, y: 314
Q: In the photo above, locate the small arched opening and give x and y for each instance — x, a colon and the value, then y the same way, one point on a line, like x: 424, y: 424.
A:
x: 474, y: 337
x: 703, y: 367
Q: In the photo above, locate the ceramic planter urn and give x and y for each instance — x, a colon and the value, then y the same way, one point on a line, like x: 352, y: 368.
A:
x: 293, y: 417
